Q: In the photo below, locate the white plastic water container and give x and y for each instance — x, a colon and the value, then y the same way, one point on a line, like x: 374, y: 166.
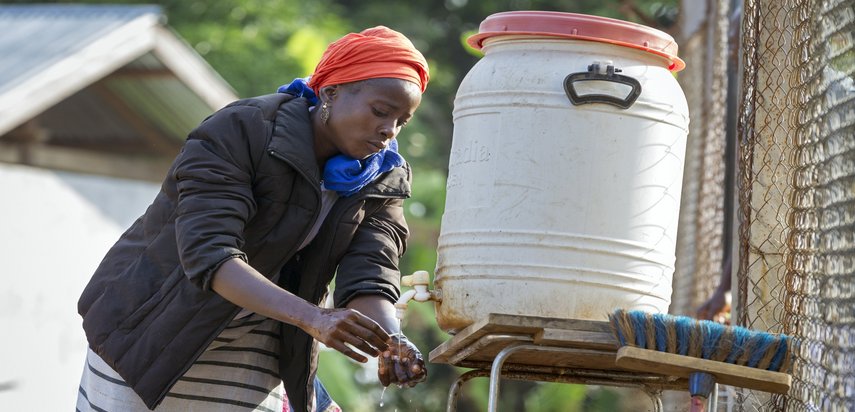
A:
x: 565, y: 172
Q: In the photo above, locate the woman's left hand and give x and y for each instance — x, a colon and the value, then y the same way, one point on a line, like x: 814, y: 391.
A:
x: 401, y: 363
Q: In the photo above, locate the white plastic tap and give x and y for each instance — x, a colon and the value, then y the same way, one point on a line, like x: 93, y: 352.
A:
x: 419, y: 280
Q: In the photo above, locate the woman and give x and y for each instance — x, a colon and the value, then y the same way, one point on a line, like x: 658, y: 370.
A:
x: 211, y: 300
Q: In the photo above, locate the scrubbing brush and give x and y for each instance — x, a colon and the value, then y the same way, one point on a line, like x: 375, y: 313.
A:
x: 703, y: 351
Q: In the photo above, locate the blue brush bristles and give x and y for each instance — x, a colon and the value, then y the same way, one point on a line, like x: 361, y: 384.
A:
x: 621, y: 338
x: 684, y: 327
x: 661, y: 332
x: 740, y: 339
x: 703, y: 339
x: 781, y: 354
x: 639, y: 320
x: 711, y: 333
x: 762, y: 345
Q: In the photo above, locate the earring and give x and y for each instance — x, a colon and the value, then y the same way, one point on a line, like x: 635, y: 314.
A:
x: 325, y: 113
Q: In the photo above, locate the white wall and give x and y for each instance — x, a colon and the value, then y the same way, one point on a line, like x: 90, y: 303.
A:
x: 54, y: 229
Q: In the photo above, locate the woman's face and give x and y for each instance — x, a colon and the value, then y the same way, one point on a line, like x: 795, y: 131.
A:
x: 366, y: 115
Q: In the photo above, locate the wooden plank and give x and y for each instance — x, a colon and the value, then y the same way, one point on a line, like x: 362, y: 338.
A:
x: 571, y: 358
x: 609, y: 377
x: 537, y: 322
x: 646, y: 360
x: 486, y: 350
x: 576, y: 339
x: 512, y: 325
x: 462, y: 339
x: 491, y: 344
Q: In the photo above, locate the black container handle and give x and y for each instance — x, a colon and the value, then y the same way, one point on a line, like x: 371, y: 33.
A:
x: 611, y: 75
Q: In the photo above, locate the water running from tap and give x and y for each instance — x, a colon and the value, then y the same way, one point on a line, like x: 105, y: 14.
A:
x: 401, y: 333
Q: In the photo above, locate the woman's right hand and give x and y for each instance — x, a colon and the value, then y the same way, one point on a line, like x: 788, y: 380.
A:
x: 338, y: 328
x: 402, y: 364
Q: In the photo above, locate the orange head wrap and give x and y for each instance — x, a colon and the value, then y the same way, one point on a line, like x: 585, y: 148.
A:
x: 373, y: 53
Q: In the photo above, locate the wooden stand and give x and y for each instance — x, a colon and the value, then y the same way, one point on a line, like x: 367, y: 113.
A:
x: 677, y: 365
x: 577, y: 351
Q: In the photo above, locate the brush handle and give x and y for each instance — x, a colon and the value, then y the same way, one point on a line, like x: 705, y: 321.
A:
x: 701, y: 385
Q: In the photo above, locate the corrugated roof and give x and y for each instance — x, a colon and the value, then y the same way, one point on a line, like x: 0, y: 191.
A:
x: 106, y: 82
x: 38, y: 36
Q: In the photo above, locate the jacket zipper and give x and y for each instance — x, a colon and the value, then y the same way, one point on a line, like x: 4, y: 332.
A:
x: 305, y: 234
x: 316, y: 190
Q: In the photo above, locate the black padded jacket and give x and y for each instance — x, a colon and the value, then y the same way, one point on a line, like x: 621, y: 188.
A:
x: 245, y: 185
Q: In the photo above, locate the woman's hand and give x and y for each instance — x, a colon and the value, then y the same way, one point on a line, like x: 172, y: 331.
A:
x: 242, y: 285
x: 345, y: 329
x: 401, y: 363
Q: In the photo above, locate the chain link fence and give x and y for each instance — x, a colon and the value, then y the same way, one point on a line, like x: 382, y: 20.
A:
x: 796, y: 271
x: 795, y: 186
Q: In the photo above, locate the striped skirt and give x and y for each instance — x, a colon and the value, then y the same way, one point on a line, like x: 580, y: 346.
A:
x: 238, y: 372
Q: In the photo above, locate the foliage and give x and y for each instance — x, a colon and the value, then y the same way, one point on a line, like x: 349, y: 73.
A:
x: 556, y: 398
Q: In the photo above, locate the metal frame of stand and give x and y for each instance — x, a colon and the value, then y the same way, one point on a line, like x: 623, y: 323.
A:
x: 651, y: 385
x: 545, y: 350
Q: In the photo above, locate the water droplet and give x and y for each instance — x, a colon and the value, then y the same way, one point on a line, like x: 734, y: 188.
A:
x: 381, y: 395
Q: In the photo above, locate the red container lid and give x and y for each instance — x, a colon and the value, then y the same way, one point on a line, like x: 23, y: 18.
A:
x: 579, y: 27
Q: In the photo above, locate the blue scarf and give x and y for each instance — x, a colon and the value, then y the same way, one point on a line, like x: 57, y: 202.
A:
x: 345, y: 174
x: 300, y: 88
